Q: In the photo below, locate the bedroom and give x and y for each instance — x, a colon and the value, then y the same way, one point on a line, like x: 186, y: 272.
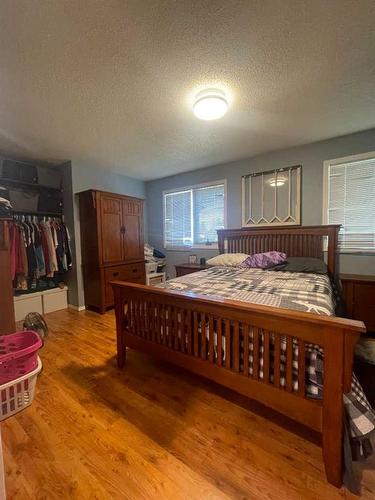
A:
x: 103, y: 148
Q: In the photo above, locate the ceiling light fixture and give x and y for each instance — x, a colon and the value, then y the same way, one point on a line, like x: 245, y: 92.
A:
x: 210, y: 104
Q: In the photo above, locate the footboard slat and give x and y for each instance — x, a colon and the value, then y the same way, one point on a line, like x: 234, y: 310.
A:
x: 255, y: 353
x: 259, y: 351
x: 276, y: 360
x: 211, y: 335
x: 182, y: 329
x: 236, y: 346
x: 196, y: 334
x: 203, y: 336
x: 176, y: 328
x: 246, y: 341
x: 266, y: 356
x: 189, y: 332
x: 228, y: 344
x: 219, y: 324
x: 289, y: 363
x: 301, y: 368
x: 169, y: 326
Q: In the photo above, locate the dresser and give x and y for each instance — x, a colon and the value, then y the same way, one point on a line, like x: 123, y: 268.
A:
x: 112, y: 244
x: 359, y: 297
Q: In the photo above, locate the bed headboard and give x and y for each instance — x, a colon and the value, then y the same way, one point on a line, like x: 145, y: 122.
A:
x: 301, y: 241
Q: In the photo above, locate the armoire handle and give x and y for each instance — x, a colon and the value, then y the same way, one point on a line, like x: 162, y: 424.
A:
x: 123, y: 230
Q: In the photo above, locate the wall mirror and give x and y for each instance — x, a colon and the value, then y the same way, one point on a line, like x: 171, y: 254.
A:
x: 272, y: 198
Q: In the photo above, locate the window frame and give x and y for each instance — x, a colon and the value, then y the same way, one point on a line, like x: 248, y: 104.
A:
x: 326, y: 165
x: 214, y: 246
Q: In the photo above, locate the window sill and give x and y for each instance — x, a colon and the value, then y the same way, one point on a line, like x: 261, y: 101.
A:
x: 357, y: 252
x: 190, y: 249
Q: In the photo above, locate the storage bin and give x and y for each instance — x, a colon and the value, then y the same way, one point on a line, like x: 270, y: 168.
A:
x: 55, y: 299
x: 49, y: 177
x: 18, y: 354
x: 24, y: 200
x: 17, y: 394
x: 19, y: 171
x: 24, y: 304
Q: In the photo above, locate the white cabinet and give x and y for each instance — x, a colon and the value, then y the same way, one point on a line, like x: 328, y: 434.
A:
x: 40, y: 302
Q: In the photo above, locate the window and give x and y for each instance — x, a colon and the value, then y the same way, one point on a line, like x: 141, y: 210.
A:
x: 192, y: 215
x: 349, y: 185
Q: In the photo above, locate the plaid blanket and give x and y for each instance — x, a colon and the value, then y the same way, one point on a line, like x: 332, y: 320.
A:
x: 298, y: 291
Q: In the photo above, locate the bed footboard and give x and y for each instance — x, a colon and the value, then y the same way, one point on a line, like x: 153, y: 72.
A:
x: 258, y: 351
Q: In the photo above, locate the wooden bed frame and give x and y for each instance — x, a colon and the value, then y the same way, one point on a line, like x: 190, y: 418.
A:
x: 143, y: 313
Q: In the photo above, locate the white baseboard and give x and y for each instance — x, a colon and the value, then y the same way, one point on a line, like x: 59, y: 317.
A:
x: 76, y: 308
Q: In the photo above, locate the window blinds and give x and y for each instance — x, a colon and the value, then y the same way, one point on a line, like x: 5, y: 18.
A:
x: 192, y: 216
x: 351, y: 202
x: 208, y: 203
x: 177, y: 219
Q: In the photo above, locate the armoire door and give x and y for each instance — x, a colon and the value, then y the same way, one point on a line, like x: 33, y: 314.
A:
x: 133, y: 233
x: 111, y: 229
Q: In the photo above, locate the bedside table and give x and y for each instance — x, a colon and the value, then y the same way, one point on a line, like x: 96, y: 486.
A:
x: 359, y: 296
x: 182, y: 269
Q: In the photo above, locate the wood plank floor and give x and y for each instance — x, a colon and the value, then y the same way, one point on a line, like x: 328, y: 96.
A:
x: 149, y: 431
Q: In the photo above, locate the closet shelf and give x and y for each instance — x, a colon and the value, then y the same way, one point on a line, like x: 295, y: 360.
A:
x: 28, y: 185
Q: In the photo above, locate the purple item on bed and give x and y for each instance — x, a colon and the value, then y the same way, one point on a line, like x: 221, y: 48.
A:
x: 264, y: 260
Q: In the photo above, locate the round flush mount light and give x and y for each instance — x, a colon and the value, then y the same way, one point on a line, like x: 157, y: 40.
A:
x: 210, y: 104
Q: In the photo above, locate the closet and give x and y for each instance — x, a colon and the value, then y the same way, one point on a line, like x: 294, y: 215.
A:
x: 35, y: 255
x: 111, y: 243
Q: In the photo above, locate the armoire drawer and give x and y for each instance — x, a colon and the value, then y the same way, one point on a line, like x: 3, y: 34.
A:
x: 128, y: 272
x: 125, y: 272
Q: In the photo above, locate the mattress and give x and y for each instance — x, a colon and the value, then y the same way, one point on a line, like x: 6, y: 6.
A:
x: 299, y: 291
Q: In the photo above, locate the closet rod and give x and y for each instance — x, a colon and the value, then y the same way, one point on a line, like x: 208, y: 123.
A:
x: 30, y: 212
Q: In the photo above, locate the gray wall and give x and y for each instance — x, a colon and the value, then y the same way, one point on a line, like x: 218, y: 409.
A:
x: 84, y: 177
x: 310, y: 156
x: 70, y: 277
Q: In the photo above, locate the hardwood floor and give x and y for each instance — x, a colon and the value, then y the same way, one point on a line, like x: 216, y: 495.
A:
x: 149, y: 431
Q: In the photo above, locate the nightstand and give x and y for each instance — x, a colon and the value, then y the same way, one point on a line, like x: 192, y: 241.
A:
x: 359, y: 296
x: 182, y: 269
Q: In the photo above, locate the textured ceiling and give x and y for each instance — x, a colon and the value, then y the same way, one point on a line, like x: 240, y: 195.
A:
x: 110, y: 83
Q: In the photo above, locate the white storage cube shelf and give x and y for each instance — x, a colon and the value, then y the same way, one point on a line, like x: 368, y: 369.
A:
x: 55, y: 299
x: 155, y: 278
x: 151, y: 267
x: 40, y: 302
x: 24, y: 304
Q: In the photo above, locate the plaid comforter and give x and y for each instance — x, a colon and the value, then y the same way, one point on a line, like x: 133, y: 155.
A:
x: 299, y: 291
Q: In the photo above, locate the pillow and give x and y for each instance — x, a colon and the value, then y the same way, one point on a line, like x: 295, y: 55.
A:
x: 302, y: 265
x: 264, y: 260
x: 227, y: 259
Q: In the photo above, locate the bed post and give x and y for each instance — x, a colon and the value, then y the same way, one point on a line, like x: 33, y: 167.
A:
x: 120, y: 320
x: 220, y: 242
x: 333, y: 406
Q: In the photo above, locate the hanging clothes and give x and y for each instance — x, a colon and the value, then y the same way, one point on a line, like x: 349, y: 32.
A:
x: 39, y: 252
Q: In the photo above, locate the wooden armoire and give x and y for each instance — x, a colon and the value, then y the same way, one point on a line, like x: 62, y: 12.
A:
x: 111, y: 243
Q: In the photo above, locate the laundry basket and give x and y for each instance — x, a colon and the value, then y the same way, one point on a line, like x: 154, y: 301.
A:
x: 19, y: 393
x: 18, y: 354
x: 19, y: 368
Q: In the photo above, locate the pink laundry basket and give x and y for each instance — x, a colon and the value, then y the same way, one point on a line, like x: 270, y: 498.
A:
x: 18, y: 354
